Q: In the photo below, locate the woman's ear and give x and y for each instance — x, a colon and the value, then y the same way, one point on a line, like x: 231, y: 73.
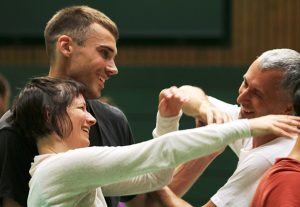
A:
x: 64, y: 45
x: 47, y: 115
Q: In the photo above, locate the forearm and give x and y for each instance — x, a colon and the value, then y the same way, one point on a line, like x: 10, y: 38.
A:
x: 165, y: 125
x: 169, y: 196
x: 187, y: 174
x: 196, y: 98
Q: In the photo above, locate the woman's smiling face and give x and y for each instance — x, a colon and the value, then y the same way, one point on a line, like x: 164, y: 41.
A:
x: 81, y: 121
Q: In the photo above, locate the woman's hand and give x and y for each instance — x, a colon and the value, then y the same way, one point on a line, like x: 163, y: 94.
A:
x: 280, y: 125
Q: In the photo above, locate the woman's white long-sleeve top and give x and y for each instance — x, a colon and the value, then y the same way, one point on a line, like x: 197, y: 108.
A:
x: 82, y: 177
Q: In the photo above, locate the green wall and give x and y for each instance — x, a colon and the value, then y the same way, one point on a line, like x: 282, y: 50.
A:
x: 135, y: 19
x: 135, y: 90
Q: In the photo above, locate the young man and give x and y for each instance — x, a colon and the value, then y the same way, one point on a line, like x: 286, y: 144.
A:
x: 81, y: 45
x: 267, y: 89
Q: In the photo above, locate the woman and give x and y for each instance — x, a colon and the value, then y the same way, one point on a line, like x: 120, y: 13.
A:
x: 52, y: 113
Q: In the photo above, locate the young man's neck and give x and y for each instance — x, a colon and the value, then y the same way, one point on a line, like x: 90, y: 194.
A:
x: 56, y: 74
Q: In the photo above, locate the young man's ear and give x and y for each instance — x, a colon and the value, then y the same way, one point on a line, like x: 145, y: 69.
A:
x: 64, y: 45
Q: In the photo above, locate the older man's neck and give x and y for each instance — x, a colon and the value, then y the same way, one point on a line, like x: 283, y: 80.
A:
x: 258, y: 141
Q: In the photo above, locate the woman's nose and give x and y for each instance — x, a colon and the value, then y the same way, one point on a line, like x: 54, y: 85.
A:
x: 90, y: 119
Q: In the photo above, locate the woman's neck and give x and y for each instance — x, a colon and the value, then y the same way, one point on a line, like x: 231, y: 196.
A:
x: 51, y: 144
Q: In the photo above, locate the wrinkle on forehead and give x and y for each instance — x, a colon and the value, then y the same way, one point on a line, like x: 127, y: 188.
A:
x: 268, y: 82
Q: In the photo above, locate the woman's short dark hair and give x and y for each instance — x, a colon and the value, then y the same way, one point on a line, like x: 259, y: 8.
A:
x: 41, y: 107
